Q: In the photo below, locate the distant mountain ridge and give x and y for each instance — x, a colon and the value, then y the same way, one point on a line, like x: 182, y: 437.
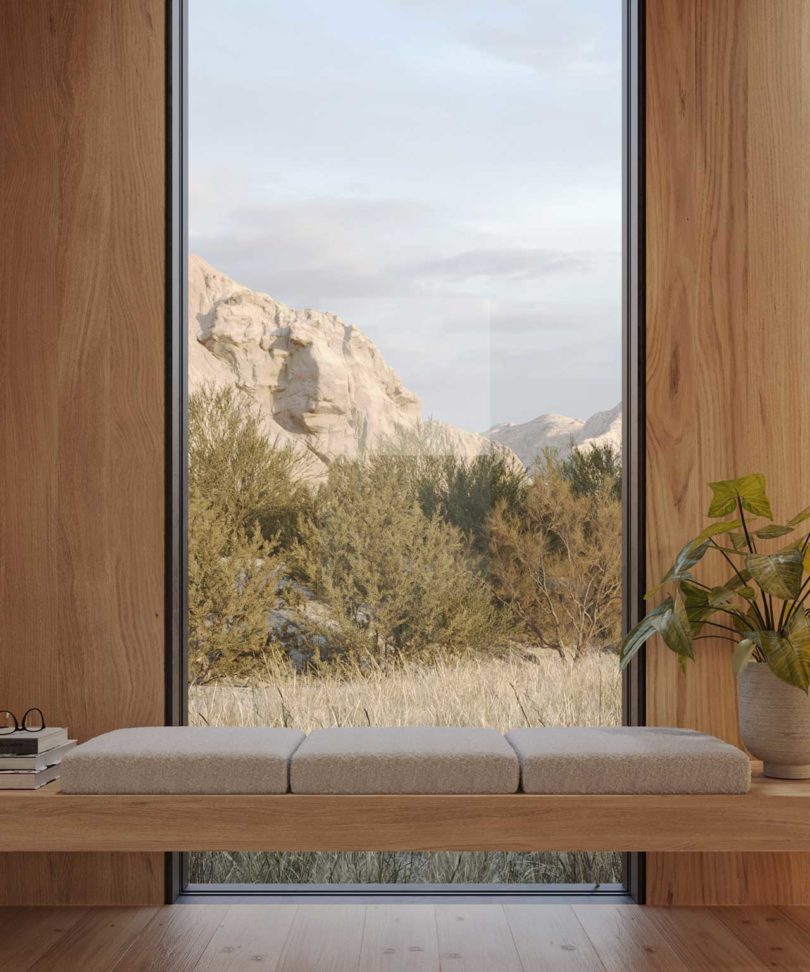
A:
x: 528, y: 439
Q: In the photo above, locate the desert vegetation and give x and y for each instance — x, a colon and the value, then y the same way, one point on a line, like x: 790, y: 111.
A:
x: 408, y: 586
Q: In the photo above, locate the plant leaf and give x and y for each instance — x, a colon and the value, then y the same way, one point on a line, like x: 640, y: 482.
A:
x: 739, y: 542
x: 751, y: 493
x: 642, y: 632
x: 788, y: 657
x: 687, y: 558
x: 674, y: 627
x: 742, y: 655
x: 800, y: 517
x: 715, y: 529
x: 772, y: 530
x: 779, y: 574
x: 696, y: 602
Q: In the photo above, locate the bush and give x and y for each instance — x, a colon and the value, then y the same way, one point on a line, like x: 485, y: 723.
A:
x: 397, y: 582
x: 557, y: 563
x: 236, y: 468
x: 232, y: 579
x: 593, y: 469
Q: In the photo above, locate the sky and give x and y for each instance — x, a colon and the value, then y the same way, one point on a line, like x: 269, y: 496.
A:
x: 443, y: 174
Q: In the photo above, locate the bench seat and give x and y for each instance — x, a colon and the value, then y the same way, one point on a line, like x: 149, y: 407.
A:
x: 404, y: 759
x: 183, y: 759
x: 627, y: 759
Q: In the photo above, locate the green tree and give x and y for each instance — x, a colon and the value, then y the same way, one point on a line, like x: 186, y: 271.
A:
x: 243, y: 474
x: 589, y: 470
x: 557, y: 563
x: 232, y: 580
x: 396, y: 581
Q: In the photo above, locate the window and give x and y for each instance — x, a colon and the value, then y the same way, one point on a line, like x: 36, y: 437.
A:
x: 404, y: 378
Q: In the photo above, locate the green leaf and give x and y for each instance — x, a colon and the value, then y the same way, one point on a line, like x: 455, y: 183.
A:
x: 696, y: 602
x: 779, y: 574
x: 772, y: 531
x: 742, y: 655
x: 642, y: 632
x: 716, y: 529
x: 686, y: 559
x: 747, y: 623
x: 800, y: 517
x: 674, y: 627
x: 788, y: 657
x: 749, y: 489
x: 739, y: 542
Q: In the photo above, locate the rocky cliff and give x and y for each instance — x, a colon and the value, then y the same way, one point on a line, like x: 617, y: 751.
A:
x: 318, y: 381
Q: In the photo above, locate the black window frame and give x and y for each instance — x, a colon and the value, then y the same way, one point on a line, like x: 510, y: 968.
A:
x: 176, y: 394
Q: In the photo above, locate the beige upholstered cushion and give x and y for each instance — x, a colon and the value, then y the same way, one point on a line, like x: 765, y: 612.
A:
x: 422, y: 759
x: 182, y: 759
x: 628, y: 760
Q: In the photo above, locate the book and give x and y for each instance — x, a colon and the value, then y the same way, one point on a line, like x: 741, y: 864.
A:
x: 28, y: 780
x: 24, y: 743
x: 49, y: 757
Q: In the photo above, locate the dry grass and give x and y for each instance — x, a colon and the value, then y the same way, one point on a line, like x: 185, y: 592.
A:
x: 497, y: 692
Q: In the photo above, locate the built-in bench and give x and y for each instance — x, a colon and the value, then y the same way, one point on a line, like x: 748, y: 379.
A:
x: 183, y: 789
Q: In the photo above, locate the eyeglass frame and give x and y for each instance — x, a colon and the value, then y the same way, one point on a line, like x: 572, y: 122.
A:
x: 20, y: 726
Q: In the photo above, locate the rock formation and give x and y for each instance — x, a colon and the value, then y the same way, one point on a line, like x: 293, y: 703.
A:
x: 317, y: 381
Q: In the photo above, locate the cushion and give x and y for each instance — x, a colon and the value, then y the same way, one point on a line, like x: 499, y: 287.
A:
x: 628, y: 760
x: 418, y: 759
x: 182, y: 759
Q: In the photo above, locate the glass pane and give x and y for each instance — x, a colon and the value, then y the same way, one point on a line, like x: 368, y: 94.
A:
x: 404, y: 377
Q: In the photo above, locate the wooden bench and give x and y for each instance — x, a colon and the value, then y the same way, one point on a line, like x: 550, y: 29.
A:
x: 773, y: 816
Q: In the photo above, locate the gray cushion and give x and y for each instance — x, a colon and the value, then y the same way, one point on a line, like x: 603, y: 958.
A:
x: 628, y: 760
x: 419, y: 759
x: 182, y: 759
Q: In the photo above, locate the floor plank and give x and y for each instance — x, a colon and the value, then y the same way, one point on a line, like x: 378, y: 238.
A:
x: 475, y: 938
x: 400, y: 937
x: 551, y: 939
x: 326, y: 938
x: 250, y: 937
x: 97, y: 941
x: 624, y: 940
x: 771, y: 935
x: 702, y: 941
x: 27, y: 933
x: 174, y: 940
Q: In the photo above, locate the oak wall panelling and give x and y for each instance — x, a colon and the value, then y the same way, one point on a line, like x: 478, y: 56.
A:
x: 82, y: 331
x: 728, y: 338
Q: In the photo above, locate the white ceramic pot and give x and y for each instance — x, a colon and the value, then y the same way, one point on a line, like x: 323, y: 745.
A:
x: 775, y: 723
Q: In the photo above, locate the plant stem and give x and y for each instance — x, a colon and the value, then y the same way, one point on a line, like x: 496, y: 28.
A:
x: 767, y: 600
x: 731, y: 564
x: 734, y: 641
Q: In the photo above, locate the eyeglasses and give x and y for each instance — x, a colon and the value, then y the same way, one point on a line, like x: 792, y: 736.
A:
x: 32, y: 721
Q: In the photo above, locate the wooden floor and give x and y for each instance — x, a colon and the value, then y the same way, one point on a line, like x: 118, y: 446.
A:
x: 417, y: 937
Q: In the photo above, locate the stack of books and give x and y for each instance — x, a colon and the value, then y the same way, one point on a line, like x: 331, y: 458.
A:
x: 29, y: 760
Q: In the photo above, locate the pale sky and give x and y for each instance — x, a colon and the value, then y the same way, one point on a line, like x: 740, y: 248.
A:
x: 444, y: 174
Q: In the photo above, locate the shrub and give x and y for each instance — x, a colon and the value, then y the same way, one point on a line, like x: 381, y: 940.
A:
x: 232, y: 578
x: 557, y: 563
x: 397, y: 582
x: 248, y: 478
x: 592, y: 469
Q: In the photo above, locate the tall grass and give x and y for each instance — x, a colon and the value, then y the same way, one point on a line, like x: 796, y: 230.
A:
x: 500, y: 692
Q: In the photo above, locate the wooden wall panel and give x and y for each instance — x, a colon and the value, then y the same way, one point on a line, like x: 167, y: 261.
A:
x: 82, y: 377
x: 728, y: 336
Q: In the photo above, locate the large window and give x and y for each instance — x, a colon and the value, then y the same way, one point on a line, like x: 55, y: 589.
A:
x: 404, y: 383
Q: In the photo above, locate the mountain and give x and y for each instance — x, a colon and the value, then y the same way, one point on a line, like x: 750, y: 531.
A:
x: 318, y: 382
x: 528, y: 439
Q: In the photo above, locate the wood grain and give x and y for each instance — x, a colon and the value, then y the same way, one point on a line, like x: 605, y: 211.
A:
x: 247, y: 938
x: 728, y: 295
x: 82, y: 375
x: 773, y: 816
x: 624, y: 940
x: 175, y: 940
x: 324, y: 937
x: 475, y: 938
x: 557, y: 942
x: 397, y: 937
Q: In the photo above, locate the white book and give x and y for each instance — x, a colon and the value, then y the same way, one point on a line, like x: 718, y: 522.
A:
x: 28, y: 780
x: 37, y: 762
x: 24, y: 743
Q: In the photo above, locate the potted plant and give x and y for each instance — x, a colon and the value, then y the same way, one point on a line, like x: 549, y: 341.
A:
x: 760, y: 608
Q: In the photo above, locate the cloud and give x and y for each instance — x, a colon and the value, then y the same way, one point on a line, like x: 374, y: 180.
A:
x: 513, y: 263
